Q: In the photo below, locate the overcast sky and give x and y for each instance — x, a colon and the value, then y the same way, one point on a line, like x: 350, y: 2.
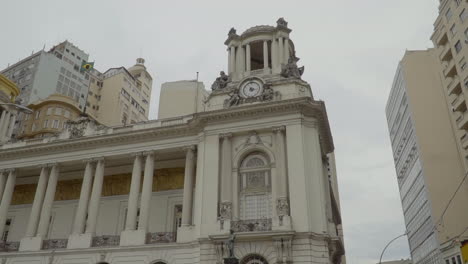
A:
x: 350, y: 50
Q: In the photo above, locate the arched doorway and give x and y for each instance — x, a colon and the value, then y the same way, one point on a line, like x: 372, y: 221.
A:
x: 253, y: 259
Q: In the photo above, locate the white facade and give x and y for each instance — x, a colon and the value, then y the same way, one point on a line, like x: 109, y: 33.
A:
x: 260, y: 164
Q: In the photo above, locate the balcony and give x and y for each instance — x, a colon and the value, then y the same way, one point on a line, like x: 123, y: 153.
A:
x: 454, y: 86
x: 464, y: 140
x: 451, y: 70
x: 462, y: 121
x: 446, y: 53
x: 458, y: 103
x: 442, y: 38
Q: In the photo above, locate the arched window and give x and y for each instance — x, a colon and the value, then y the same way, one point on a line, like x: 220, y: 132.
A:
x: 254, y: 259
x: 255, y: 187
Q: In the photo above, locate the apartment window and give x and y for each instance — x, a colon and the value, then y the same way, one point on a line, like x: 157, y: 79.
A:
x: 73, y: 54
x: 68, y: 74
x: 33, y: 128
x: 50, y: 110
x: 463, y: 15
x: 90, y: 93
x: 46, y: 123
x: 459, y: 259
x: 78, y: 57
x: 38, y: 113
x: 97, y: 107
x: 448, y: 14
x: 466, y: 34
x: 67, y: 50
x: 457, y: 2
x: 67, y: 114
x: 58, y: 111
x: 62, y: 70
x: 56, y: 124
x: 76, y: 68
x: 26, y: 117
x: 458, y: 46
x: 463, y: 66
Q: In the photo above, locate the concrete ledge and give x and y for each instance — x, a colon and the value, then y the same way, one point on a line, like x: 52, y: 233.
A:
x: 133, y: 238
x: 185, y: 234
x: 30, y: 244
x: 80, y: 241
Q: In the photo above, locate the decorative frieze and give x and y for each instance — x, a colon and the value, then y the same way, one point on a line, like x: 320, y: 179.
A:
x: 225, y: 210
x: 9, y: 246
x: 160, y: 237
x: 251, y: 225
x: 54, y: 243
x: 282, y: 206
x: 105, y: 241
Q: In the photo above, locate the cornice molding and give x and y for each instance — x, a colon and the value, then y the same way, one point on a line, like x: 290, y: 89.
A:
x: 193, y: 127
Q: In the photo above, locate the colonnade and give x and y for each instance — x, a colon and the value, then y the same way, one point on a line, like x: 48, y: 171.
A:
x: 86, y: 216
x: 7, y: 123
x: 239, y: 56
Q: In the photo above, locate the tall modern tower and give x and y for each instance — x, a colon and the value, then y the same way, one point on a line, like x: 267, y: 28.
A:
x: 428, y: 164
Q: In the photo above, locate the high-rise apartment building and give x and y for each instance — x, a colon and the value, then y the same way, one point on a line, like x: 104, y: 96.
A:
x: 429, y: 166
x: 119, y: 95
x: 450, y: 38
x: 45, y: 73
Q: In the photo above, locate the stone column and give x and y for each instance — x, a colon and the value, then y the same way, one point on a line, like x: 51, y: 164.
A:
x: 12, y: 125
x: 3, y: 122
x: 239, y: 57
x: 286, y: 50
x: 247, y: 57
x: 229, y: 61
x: 146, y: 192
x: 274, y: 55
x: 226, y: 171
x: 48, y: 201
x: 3, y: 179
x: 282, y: 204
x: 80, y: 218
x: 37, y: 204
x: 95, y: 199
x: 280, y: 52
x: 265, y: 54
x: 188, y: 186
x: 132, y: 210
x: 6, y: 198
x: 4, y: 127
x: 233, y: 59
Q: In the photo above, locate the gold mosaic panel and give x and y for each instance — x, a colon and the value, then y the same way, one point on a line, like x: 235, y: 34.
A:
x: 163, y: 180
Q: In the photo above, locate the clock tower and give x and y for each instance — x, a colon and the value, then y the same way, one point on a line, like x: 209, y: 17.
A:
x: 262, y: 66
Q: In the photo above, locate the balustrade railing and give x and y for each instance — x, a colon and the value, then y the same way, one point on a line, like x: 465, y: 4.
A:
x: 105, y: 241
x: 160, y: 237
x: 54, y: 243
x: 251, y: 225
x: 9, y: 246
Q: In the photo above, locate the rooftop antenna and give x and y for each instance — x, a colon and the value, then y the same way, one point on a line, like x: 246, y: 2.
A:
x: 43, y: 48
x: 197, y: 77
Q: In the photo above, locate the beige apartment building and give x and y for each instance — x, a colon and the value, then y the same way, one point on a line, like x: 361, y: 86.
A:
x: 119, y: 95
x: 8, y: 112
x: 49, y: 117
x: 429, y: 166
x: 450, y: 38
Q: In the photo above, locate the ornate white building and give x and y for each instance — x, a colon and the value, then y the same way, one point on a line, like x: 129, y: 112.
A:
x: 255, y: 156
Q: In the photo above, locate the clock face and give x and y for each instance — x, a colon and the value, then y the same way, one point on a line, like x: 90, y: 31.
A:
x: 251, y: 89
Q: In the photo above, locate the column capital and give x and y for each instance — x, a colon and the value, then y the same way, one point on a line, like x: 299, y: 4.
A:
x: 278, y: 129
x: 9, y: 170
x: 225, y: 135
x: 136, y: 154
x: 190, y: 148
x: 54, y: 164
x: 149, y: 152
x: 89, y: 160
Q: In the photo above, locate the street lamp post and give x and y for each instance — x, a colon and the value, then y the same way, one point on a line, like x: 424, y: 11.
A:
x: 391, y: 241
